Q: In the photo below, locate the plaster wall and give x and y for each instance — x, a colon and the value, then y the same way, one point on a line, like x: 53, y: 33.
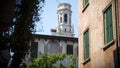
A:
x: 91, y: 18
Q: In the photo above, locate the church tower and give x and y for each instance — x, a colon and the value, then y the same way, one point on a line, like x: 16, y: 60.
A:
x: 64, y: 21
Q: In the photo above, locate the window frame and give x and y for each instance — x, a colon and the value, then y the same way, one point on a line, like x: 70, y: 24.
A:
x: 108, y: 44
x: 86, y: 59
x: 65, y: 18
x: 108, y: 27
x: 60, y: 19
x: 34, y: 48
x: 85, y: 5
x: 67, y: 51
x: 52, y: 44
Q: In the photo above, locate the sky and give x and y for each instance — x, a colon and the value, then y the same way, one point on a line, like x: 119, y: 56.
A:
x: 49, y: 16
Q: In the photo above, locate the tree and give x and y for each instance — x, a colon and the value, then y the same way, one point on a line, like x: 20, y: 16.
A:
x: 73, y: 61
x: 48, y: 61
x: 26, y: 14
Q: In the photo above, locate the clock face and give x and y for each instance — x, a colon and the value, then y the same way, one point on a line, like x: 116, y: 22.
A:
x: 53, y: 47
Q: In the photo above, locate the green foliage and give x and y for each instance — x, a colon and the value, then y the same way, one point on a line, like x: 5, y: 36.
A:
x: 73, y: 61
x: 48, y: 61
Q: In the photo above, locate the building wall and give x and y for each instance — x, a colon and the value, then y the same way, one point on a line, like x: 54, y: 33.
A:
x: 119, y: 26
x: 91, y: 18
x: 63, y: 44
x: 119, y: 18
x: 45, y: 44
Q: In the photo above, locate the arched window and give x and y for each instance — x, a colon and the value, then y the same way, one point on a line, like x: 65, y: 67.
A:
x: 65, y: 30
x: 54, y: 47
x: 65, y: 18
x: 70, y: 18
x: 60, y: 19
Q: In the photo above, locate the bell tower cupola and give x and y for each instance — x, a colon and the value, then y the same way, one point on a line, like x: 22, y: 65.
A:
x: 64, y: 13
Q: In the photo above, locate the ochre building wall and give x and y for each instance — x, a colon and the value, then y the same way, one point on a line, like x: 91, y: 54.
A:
x: 91, y: 18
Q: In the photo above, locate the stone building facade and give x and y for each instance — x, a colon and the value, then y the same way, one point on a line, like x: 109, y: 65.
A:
x: 99, y: 33
x: 47, y: 44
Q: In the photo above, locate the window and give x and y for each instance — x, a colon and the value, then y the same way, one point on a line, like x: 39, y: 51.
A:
x: 65, y: 18
x: 60, y: 19
x: 70, y: 18
x: 34, y: 49
x: 108, y: 26
x: 69, y: 49
x: 86, y: 45
x: 65, y: 30
x: 85, y: 2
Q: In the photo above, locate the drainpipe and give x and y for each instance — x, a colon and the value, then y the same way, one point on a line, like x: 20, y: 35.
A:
x: 117, y: 30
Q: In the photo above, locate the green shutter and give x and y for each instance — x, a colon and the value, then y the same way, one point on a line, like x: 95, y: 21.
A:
x: 108, y: 28
x: 105, y: 26
x: 86, y: 45
x: 85, y: 2
x: 108, y: 25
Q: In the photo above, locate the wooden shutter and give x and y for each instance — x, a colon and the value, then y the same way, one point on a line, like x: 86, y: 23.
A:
x: 86, y: 45
x: 85, y: 2
x: 105, y: 26
x: 108, y: 25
